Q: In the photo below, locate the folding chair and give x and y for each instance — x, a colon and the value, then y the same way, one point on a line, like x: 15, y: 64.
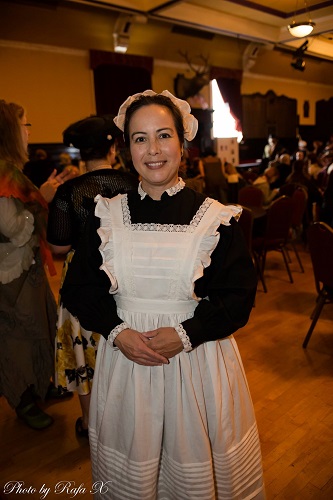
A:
x: 250, y: 196
x: 246, y: 223
x: 320, y: 241
x: 300, y: 201
x: 276, y: 236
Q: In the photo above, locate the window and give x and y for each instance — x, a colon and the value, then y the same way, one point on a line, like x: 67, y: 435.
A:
x: 223, y: 122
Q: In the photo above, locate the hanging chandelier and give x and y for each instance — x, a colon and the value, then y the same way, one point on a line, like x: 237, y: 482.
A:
x: 303, y: 28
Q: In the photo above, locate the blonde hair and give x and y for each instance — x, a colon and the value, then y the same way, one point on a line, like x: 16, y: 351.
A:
x: 12, y: 147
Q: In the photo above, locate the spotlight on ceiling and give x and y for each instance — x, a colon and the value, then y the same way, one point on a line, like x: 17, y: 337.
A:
x: 299, y: 62
x: 121, y: 33
x: 303, y: 28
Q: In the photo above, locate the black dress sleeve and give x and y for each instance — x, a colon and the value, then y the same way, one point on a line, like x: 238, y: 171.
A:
x: 59, y: 227
x: 228, y: 289
x: 85, y: 291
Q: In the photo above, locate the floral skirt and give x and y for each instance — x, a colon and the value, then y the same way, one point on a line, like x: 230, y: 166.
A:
x: 75, y: 349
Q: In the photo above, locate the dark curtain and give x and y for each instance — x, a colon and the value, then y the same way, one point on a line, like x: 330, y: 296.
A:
x: 117, y: 76
x: 229, y: 83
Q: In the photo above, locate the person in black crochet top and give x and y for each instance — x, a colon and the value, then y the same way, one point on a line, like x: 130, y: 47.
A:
x: 76, y: 347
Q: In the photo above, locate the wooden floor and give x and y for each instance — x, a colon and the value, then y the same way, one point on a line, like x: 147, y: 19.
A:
x: 292, y: 391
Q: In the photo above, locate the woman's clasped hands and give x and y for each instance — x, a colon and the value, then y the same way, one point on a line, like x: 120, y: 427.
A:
x: 153, y: 348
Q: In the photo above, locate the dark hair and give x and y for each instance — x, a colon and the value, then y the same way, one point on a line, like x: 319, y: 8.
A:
x: 93, y: 136
x: 95, y: 153
x: 160, y: 100
x: 11, y: 144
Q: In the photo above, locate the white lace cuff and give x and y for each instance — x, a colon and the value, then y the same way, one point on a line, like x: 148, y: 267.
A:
x: 184, y: 338
x: 115, y: 332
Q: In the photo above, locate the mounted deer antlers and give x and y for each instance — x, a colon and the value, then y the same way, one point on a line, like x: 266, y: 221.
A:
x: 189, y: 87
x: 197, y: 71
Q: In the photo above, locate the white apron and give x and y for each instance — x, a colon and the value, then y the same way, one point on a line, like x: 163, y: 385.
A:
x: 186, y: 430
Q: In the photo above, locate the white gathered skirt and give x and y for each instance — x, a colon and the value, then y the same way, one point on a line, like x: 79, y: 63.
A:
x: 180, y: 431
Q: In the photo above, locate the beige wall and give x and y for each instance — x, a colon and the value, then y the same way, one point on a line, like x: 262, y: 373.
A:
x: 54, y: 85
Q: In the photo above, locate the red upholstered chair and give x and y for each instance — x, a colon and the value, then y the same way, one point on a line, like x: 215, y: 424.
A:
x: 250, y: 196
x: 300, y: 200
x: 246, y: 223
x: 276, y: 236
x: 320, y: 241
x: 249, y: 176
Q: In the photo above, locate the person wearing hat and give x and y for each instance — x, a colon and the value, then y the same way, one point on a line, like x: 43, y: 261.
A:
x: 76, y: 347
x: 164, y: 274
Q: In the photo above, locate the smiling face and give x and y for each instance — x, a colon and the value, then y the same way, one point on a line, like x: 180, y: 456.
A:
x: 155, y: 148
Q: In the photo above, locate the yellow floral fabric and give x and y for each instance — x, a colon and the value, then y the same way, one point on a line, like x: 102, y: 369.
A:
x: 75, y: 349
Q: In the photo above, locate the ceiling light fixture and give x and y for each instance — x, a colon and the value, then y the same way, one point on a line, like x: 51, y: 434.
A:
x: 301, y: 29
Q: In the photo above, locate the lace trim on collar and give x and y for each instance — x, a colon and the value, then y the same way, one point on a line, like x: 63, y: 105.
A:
x: 166, y: 228
x: 170, y: 191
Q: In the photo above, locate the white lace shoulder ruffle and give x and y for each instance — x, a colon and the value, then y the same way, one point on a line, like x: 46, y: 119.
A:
x: 219, y: 215
x: 16, y: 255
x: 106, y: 247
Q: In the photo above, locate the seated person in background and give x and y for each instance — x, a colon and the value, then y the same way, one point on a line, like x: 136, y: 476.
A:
x: 326, y: 209
x: 263, y: 182
x: 284, y: 166
x: 300, y: 155
x: 317, y: 148
x: 314, y: 167
x: 195, y: 169
x: 66, y: 166
x: 299, y: 175
x: 303, y: 147
x: 270, y: 148
x: 39, y: 168
x: 328, y: 146
x: 192, y: 172
x: 277, y: 181
x: 272, y: 151
x: 235, y: 181
x: 216, y: 185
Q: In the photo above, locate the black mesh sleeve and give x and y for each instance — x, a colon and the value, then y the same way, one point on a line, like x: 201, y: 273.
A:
x: 85, y: 292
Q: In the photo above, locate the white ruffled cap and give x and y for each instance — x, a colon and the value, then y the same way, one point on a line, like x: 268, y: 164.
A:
x: 189, y: 121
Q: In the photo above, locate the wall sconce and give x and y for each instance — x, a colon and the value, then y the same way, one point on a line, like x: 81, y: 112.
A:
x: 303, y: 28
